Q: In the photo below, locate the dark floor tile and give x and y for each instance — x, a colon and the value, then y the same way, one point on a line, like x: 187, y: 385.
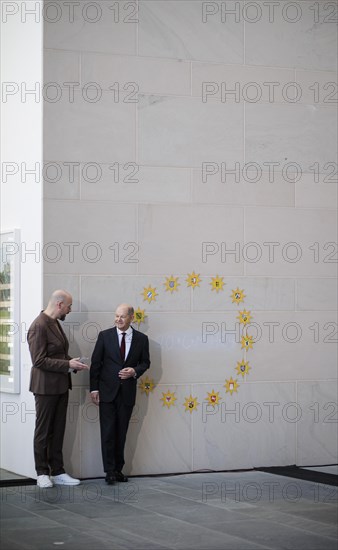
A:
x: 12, y: 511
x: 104, y: 508
x: 77, y: 520
x: 53, y: 537
x: 277, y: 536
x: 310, y: 525
x: 180, y: 535
x: 328, y: 516
x: 10, y: 544
x: 27, y: 522
x: 288, y: 518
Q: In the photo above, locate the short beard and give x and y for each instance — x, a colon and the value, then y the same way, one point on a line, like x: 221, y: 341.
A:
x: 62, y: 318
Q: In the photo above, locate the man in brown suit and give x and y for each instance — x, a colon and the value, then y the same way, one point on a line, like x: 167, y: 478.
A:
x: 50, y: 382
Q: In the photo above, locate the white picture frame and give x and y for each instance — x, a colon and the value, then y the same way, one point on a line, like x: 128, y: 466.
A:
x: 10, y: 311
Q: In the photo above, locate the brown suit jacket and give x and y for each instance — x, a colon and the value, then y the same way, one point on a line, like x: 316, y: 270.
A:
x: 48, y: 346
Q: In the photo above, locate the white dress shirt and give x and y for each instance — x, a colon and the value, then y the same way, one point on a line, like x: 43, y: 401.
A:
x: 128, y: 339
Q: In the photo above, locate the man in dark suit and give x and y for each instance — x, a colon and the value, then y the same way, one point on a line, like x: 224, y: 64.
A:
x: 50, y: 382
x: 120, y: 356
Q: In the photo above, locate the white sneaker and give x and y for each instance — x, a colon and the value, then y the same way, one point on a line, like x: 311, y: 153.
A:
x: 44, y: 482
x: 65, y: 479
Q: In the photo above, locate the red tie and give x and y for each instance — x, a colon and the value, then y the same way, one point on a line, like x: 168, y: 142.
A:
x: 123, y: 346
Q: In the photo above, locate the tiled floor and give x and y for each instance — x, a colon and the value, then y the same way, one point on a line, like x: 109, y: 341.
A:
x: 233, y: 511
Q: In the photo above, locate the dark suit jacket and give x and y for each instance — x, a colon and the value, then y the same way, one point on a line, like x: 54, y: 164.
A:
x: 106, y: 364
x: 48, y: 346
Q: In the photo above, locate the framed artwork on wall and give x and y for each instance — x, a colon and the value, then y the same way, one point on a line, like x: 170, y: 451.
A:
x: 10, y: 311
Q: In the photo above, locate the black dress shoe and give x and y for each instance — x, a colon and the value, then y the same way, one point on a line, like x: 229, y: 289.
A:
x: 119, y: 476
x: 110, y: 479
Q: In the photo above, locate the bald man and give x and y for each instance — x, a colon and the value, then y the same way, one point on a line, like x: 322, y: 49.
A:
x: 120, y: 356
x: 50, y: 382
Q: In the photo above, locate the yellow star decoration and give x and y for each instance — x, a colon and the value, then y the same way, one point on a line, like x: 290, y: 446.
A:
x: 139, y: 316
x: 247, y: 342
x: 217, y: 283
x: 193, y: 279
x: 149, y: 294
x: 231, y: 385
x: 237, y: 296
x: 147, y: 385
x: 168, y: 399
x: 213, y: 398
x: 243, y: 367
x: 244, y: 317
x: 171, y: 283
x: 191, y: 403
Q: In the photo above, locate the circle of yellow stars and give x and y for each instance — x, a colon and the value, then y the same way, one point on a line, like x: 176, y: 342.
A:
x: 231, y: 385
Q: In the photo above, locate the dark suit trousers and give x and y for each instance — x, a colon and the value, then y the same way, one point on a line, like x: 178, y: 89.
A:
x: 51, y: 412
x: 114, y: 421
